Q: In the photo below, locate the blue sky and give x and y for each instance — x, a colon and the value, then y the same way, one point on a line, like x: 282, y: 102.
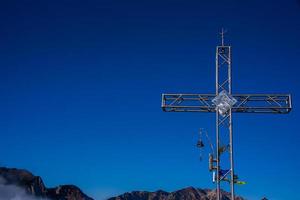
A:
x: 81, y: 84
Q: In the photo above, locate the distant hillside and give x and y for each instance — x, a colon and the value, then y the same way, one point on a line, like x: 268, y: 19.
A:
x: 184, y: 194
x: 19, y: 184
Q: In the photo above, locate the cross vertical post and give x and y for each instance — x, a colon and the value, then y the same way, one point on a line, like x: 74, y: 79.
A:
x: 224, y: 121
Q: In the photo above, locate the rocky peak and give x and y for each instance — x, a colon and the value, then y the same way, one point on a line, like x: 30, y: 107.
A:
x: 34, y: 186
x: 67, y: 192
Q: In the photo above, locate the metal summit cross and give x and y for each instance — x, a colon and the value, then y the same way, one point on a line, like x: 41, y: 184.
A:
x: 224, y: 103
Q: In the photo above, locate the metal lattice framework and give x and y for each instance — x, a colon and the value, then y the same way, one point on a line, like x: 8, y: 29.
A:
x: 243, y: 103
x: 246, y: 103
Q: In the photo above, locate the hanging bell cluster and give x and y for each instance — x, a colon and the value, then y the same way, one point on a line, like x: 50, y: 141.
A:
x: 200, y: 144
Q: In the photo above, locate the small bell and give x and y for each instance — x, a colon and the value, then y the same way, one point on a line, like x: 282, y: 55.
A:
x: 200, y: 144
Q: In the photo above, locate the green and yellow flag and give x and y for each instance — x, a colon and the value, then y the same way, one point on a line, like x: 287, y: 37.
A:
x: 240, y: 182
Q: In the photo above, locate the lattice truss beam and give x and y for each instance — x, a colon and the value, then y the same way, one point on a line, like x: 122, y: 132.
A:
x: 246, y: 103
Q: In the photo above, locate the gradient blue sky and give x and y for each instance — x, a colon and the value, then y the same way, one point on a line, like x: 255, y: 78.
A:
x: 81, y: 84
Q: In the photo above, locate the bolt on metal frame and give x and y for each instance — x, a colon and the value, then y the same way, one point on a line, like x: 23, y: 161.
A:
x: 246, y: 103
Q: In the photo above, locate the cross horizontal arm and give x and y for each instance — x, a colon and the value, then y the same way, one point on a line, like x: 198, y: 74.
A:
x: 246, y: 103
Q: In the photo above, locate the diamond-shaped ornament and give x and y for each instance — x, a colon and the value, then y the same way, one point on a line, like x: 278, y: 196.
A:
x: 224, y: 102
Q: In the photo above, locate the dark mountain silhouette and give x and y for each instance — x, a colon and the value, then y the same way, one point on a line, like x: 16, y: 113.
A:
x: 13, y: 181
x: 22, y: 181
x: 189, y: 193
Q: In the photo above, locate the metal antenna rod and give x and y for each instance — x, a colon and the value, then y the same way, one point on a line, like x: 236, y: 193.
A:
x: 222, y: 33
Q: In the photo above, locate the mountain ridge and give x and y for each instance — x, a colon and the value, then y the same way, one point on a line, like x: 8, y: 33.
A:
x: 22, y: 184
x: 189, y: 193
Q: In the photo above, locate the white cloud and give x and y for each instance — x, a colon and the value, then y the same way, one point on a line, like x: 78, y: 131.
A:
x: 13, y: 192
